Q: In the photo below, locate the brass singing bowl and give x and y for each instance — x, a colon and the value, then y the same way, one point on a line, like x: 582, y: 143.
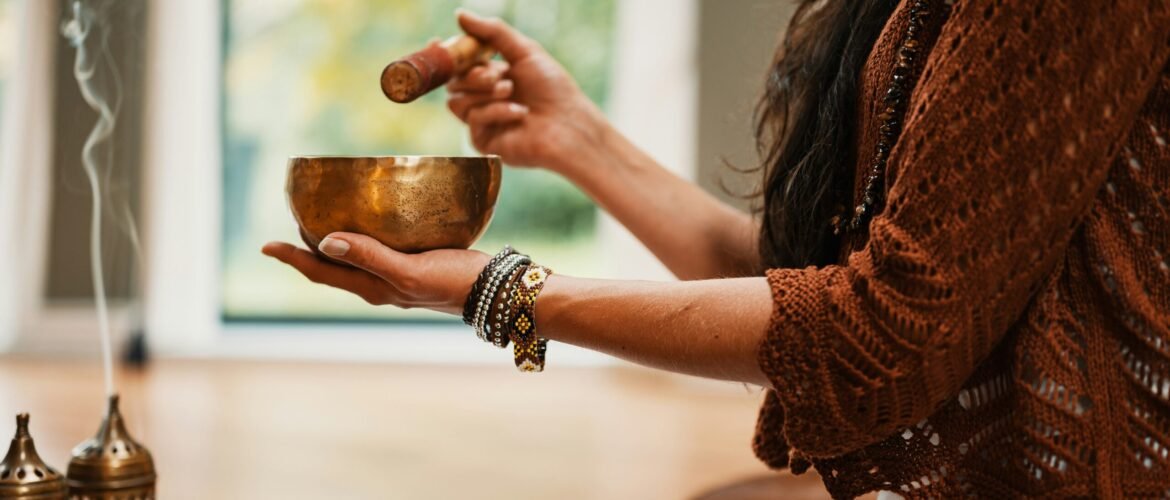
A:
x: 409, y: 203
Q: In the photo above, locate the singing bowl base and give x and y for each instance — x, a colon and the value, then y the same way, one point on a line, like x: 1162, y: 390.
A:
x: 409, y: 203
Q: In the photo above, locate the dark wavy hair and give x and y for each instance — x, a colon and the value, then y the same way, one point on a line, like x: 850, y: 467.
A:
x: 805, y: 125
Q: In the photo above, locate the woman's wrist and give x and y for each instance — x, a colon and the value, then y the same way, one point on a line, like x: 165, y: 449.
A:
x: 501, y: 307
x: 586, y: 148
x: 604, y: 165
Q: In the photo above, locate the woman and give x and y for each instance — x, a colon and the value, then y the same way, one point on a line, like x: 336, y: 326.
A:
x: 991, y: 314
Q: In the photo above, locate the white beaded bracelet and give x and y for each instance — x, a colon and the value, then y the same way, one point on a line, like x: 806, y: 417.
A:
x: 484, y: 302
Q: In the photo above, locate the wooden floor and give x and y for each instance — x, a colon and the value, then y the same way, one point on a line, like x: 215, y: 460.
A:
x: 248, y: 430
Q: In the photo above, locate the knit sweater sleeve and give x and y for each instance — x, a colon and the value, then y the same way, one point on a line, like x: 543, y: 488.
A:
x: 1008, y: 137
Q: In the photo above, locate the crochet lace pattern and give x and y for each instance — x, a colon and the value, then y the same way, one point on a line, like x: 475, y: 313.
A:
x: 1003, y: 329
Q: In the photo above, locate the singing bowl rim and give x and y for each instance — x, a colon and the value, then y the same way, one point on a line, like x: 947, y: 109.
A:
x: 488, y: 158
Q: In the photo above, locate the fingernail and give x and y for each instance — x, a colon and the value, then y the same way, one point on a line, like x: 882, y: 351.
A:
x: 333, y: 247
x: 503, y: 88
x: 518, y: 108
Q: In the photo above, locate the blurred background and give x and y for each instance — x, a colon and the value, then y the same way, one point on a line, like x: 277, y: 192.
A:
x: 224, y: 353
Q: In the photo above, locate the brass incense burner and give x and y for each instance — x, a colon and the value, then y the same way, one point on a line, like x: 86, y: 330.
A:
x: 409, y: 203
x: 23, y: 475
x: 111, y: 465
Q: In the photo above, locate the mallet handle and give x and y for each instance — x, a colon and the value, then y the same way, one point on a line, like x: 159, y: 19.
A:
x: 413, y: 76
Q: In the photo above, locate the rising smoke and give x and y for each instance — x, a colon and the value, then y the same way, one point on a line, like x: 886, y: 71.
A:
x: 77, y: 31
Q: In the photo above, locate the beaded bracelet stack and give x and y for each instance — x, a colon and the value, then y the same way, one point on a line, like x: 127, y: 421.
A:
x: 501, y: 307
x: 478, y: 314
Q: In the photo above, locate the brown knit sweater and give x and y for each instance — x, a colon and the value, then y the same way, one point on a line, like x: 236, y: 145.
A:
x: 1004, y: 328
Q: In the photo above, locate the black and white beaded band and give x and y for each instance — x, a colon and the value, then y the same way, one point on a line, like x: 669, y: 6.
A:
x: 479, y: 291
x: 497, y: 330
x: 481, y: 282
x: 484, y: 301
x: 484, y: 304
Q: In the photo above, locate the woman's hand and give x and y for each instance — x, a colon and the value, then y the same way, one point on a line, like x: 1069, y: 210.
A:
x: 656, y: 324
x: 528, y: 110
x: 438, y: 280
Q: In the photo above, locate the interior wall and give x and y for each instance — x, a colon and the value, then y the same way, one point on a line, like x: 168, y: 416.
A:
x: 122, y: 22
x: 737, y: 39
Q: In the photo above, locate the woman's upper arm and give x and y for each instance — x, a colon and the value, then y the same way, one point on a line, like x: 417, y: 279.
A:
x: 1007, y: 139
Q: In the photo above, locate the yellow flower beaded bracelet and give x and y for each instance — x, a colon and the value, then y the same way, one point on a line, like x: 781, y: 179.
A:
x: 528, y: 348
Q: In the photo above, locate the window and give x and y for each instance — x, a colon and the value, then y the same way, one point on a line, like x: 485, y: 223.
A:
x: 300, y: 77
x: 188, y: 106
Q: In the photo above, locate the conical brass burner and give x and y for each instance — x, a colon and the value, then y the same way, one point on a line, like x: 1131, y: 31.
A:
x: 23, y: 474
x: 111, y: 464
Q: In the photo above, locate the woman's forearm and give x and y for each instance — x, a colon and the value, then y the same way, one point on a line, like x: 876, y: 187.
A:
x: 694, y: 234
x: 711, y: 328
x: 708, y: 328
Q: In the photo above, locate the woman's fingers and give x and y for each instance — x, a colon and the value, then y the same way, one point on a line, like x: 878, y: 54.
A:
x: 513, y: 45
x: 358, y: 282
x: 437, y: 280
x: 367, y: 253
x: 503, y: 140
x: 496, y: 114
x: 480, y: 78
x: 489, y: 122
x: 461, y: 103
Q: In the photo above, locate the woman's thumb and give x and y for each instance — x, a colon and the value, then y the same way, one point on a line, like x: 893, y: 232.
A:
x: 365, y: 253
x: 493, y: 31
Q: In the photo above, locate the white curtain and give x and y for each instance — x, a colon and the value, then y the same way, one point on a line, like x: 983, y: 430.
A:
x: 25, y: 142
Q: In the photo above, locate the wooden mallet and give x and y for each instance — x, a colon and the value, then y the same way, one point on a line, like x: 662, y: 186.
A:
x: 413, y: 76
